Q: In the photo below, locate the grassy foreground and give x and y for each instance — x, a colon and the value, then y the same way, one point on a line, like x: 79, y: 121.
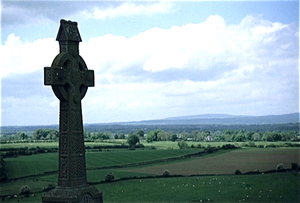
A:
x: 278, y: 187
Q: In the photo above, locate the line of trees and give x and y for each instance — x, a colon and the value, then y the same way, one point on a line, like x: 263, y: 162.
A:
x: 162, y: 135
x: 39, y: 134
x: 226, y: 136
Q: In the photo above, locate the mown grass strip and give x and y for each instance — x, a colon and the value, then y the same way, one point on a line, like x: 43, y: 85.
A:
x: 26, y: 166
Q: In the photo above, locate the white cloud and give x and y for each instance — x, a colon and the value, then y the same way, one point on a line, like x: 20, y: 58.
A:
x: 128, y: 9
x: 210, y: 67
x: 19, y: 57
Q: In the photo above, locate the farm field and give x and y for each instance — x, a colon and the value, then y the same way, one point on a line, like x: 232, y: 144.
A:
x: 226, y: 162
x: 283, y: 187
x: 222, y: 163
x: 55, y: 144
x: 157, y: 145
x: 277, y: 187
x: 40, y: 163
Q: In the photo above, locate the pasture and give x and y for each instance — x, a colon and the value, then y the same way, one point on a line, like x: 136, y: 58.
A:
x: 156, y: 145
x: 226, y: 162
x: 40, y: 163
x: 279, y: 187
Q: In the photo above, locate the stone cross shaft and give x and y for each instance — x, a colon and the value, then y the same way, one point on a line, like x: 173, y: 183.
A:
x: 70, y: 79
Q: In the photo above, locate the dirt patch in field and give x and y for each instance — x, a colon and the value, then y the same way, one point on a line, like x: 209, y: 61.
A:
x: 226, y: 163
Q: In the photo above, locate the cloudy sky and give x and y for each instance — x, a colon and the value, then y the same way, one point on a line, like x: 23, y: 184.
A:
x: 154, y: 60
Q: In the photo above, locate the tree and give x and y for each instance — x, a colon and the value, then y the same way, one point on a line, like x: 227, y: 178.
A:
x: 45, y: 134
x: 109, y: 177
x: 201, y: 136
x: 184, y: 135
x: 249, y: 135
x: 240, y: 137
x: 183, y: 145
x: 94, y: 136
x: 256, y: 137
x: 237, y: 172
x: 140, y: 133
x: 107, y: 135
x: 294, y: 166
x: 279, y: 167
x: 38, y: 134
x: 21, y: 136
x: 166, y: 173
x: 152, y: 135
x: 163, y: 136
x: 102, y: 136
x: 122, y: 136
x: 226, y: 132
x: 132, y: 139
x: 174, y: 137
x: 87, y: 134
x: 276, y: 136
x: 24, y: 190
x: 268, y: 136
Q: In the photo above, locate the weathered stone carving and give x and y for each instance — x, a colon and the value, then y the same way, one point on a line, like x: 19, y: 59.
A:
x: 70, y: 78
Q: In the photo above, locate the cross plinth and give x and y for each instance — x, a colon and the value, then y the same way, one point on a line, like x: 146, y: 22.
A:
x: 70, y: 78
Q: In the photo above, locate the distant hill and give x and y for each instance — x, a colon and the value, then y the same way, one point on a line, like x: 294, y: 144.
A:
x: 222, y: 119
x: 202, y: 116
x: 204, y: 120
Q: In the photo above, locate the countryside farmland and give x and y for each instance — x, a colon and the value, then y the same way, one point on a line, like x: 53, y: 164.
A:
x: 195, y: 176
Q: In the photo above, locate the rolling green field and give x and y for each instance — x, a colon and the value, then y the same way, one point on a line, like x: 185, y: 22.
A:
x: 40, y: 163
x: 221, y: 187
x: 254, y: 188
x: 278, y: 187
x: 226, y: 162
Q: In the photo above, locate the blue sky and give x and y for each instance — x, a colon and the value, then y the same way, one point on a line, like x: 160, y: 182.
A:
x: 153, y: 59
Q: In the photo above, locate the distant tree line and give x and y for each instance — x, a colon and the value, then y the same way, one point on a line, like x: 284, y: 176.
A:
x: 127, y: 129
x: 226, y: 135
x: 39, y: 134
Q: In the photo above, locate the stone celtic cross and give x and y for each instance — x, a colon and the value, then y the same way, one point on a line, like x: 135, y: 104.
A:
x: 70, y: 78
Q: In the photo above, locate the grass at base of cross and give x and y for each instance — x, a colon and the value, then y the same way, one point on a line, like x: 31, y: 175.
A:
x: 276, y: 187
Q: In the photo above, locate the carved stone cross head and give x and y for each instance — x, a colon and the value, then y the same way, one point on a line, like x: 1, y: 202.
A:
x: 68, y: 74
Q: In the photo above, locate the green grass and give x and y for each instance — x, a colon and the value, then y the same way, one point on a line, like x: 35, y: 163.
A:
x: 174, y: 145
x: 55, y: 144
x: 30, y: 165
x: 110, y: 158
x: 158, y: 145
x: 273, y: 187
x: 35, y: 184
x: 284, y: 186
x: 40, y: 163
x: 29, y: 145
x: 227, y: 161
x: 99, y: 175
x: 278, y: 187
